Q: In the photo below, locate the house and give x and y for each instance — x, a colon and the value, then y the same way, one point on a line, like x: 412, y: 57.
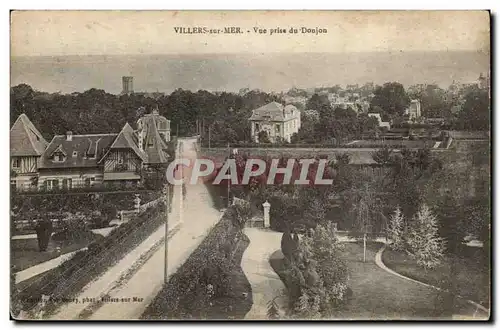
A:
x: 72, y: 161
x: 81, y: 161
x: 278, y: 121
x: 413, y: 110
x: 26, y: 147
x: 153, y: 133
x: 123, y: 159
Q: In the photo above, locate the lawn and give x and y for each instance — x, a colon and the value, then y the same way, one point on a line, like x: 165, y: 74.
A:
x: 25, y: 252
x: 377, y: 294
x: 469, y: 275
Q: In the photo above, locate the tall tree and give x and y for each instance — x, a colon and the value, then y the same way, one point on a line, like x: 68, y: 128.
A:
x: 424, y: 242
x: 391, y: 98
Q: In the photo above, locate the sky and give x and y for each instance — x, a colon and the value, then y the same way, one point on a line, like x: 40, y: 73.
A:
x: 60, y: 33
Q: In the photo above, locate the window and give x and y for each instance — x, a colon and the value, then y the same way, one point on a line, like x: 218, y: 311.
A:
x: 13, y: 184
x: 75, y: 153
x: 67, y: 183
x: 52, y: 184
x: 59, y: 157
x: 16, y: 163
x: 257, y: 127
x: 277, y: 128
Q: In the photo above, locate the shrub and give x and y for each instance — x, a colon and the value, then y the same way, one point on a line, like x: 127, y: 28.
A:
x: 43, y: 232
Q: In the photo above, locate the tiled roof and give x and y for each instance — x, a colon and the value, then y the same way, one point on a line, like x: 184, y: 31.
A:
x: 81, y: 151
x: 25, y: 139
x: 273, y: 111
x: 154, y: 145
x: 126, y: 139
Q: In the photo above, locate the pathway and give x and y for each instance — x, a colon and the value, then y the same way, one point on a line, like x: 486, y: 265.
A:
x: 44, y: 266
x: 378, y: 261
x: 266, y: 285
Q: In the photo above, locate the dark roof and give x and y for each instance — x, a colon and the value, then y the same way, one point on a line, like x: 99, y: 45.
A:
x: 89, y: 149
x: 126, y: 139
x: 273, y: 111
x: 154, y: 145
x: 25, y: 139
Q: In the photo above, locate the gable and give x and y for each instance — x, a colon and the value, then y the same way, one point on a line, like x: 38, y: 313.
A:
x: 25, y: 139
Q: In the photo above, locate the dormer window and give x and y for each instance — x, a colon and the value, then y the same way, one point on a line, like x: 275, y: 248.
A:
x: 59, y: 157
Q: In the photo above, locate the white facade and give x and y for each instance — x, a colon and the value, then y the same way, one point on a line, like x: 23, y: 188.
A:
x: 414, y: 110
x: 276, y: 120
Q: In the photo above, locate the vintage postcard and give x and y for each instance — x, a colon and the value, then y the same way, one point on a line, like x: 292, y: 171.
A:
x: 250, y: 165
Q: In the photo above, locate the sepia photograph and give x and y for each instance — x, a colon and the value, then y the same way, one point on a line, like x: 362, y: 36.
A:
x: 250, y: 165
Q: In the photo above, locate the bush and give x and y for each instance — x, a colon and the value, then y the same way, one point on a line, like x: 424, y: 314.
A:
x: 43, y: 232
x: 204, y: 275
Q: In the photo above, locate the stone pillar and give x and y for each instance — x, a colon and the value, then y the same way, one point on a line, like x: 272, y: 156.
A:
x: 266, y: 206
x: 137, y: 203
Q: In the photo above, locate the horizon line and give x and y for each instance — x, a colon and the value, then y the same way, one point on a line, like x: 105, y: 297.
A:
x: 483, y: 51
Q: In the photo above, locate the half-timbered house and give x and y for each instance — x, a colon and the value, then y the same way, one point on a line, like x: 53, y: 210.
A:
x: 124, y: 160
x: 26, y: 147
x: 72, y: 161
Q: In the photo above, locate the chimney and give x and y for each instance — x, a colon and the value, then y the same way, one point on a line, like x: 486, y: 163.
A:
x: 69, y: 136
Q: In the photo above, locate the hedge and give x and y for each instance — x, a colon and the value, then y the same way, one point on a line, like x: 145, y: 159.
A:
x: 181, y: 296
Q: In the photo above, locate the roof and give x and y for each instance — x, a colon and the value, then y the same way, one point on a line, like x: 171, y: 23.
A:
x: 82, y: 150
x: 274, y: 111
x: 25, y: 139
x: 126, y: 139
x: 154, y: 145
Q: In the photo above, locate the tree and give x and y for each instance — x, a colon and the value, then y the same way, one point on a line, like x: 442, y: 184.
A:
x: 395, y: 230
x: 287, y: 244
x: 475, y: 114
x: 43, y: 232
x: 272, y: 310
x: 263, y: 137
x: 383, y: 156
x: 391, y: 97
x: 424, y: 243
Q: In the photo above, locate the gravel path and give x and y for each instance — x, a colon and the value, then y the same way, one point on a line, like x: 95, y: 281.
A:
x: 266, y: 285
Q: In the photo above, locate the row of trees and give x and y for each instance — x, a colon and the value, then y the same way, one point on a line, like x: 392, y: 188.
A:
x: 219, y: 116
x: 95, y: 111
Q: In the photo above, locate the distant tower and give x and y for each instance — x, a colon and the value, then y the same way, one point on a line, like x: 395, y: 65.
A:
x: 128, y: 85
